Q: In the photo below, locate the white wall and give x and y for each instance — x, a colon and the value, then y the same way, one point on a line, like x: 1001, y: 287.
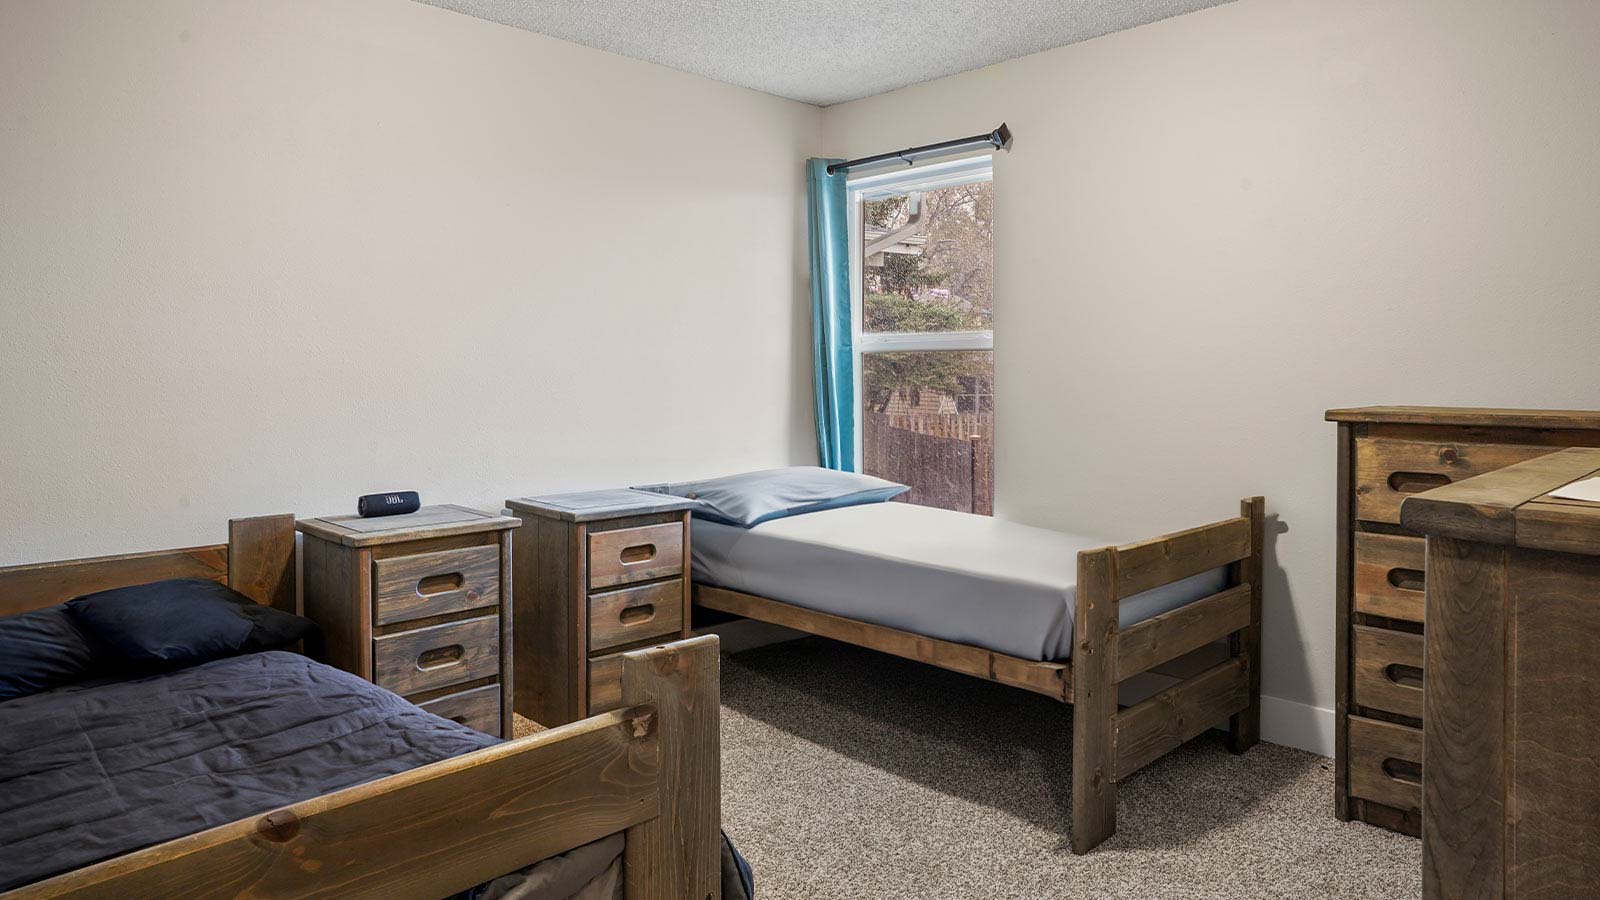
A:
x: 266, y: 256
x: 1215, y: 227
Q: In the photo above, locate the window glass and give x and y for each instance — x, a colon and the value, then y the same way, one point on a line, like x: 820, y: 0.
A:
x: 927, y: 260
x: 928, y: 421
x: 926, y: 333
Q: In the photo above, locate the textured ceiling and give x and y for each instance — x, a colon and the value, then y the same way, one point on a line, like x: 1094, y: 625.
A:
x: 824, y: 51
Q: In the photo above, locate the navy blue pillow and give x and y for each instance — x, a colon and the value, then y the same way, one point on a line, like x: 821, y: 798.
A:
x: 41, y: 649
x: 184, y: 622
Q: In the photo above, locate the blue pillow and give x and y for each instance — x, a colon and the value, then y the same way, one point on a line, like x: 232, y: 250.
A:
x: 755, y: 497
x: 41, y: 649
x: 184, y: 622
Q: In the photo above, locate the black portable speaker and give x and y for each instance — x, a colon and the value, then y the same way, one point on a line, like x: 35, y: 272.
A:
x: 393, y: 503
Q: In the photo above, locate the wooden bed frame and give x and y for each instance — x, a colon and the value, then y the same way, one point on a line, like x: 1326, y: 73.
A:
x: 650, y: 769
x: 1108, y: 744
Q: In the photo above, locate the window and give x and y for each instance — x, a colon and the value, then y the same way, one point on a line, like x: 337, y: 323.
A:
x: 922, y: 267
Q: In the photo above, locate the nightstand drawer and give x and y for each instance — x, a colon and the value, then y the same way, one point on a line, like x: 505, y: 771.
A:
x: 1390, y: 469
x: 430, y: 584
x: 1389, y: 576
x: 605, y: 683
x: 407, y: 662
x: 1386, y: 763
x: 635, y: 614
x: 629, y: 555
x: 1387, y: 670
x: 478, y: 709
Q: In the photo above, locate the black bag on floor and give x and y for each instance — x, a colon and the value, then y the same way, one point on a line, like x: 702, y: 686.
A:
x: 738, y: 883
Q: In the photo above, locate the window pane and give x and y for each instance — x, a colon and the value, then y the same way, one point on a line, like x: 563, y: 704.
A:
x: 931, y: 265
x: 927, y: 420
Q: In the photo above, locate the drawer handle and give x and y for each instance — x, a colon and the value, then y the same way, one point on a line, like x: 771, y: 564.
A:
x: 637, y: 615
x: 439, y: 584
x: 638, y: 553
x: 1404, y: 675
x: 1406, y: 579
x: 1403, y: 770
x: 441, y: 657
x: 1416, y: 482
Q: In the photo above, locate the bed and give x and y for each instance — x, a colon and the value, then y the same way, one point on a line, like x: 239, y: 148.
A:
x: 918, y: 569
x: 1058, y: 614
x: 271, y: 775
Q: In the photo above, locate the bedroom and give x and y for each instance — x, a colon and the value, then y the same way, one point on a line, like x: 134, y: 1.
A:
x: 264, y: 258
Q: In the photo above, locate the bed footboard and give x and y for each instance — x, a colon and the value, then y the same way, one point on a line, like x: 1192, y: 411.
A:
x: 650, y: 769
x: 1108, y: 744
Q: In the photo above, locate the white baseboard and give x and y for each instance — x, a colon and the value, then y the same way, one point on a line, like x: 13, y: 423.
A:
x: 1298, y: 725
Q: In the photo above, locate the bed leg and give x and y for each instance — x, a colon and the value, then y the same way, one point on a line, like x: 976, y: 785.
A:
x: 677, y: 854
x: 1244, y: 727
x: 1094, y: 702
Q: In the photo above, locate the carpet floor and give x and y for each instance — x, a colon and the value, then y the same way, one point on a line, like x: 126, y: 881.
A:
x: 851, y: 774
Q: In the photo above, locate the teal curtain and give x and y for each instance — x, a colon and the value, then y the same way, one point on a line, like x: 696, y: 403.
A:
x: 834, y: 359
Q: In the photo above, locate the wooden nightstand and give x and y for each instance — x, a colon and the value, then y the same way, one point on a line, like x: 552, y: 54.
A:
x: 597, y: 573
x: 419, y: 604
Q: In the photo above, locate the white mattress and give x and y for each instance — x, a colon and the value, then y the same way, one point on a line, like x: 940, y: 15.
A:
x: 949, y: 575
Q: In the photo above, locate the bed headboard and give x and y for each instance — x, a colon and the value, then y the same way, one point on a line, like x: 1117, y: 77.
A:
x: 257, y: 561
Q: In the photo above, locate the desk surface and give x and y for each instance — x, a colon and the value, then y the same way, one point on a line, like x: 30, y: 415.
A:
x: 1469, y: 416
x: 1512, y: 506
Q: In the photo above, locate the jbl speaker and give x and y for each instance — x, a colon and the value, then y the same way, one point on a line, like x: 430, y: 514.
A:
x: 390, y: 504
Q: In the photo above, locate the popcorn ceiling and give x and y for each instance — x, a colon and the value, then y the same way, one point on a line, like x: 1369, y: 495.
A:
x: 823, y: 51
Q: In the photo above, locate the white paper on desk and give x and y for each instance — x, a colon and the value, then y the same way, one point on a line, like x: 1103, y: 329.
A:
x: 1587, y: 489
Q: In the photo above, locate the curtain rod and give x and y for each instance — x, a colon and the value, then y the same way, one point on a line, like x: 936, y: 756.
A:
x: 1000, y: 139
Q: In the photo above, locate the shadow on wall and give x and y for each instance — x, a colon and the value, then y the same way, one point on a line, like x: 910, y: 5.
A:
x: 1002, y: 747
x: 1283, y: 647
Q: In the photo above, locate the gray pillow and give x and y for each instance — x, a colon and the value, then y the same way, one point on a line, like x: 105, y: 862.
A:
x: 754, y: 497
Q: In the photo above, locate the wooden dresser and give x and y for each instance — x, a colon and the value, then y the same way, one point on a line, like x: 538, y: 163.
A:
x: 419, y: 604
x: 1385, y: 454
x: 597, y: 573
x: 1511, y: 805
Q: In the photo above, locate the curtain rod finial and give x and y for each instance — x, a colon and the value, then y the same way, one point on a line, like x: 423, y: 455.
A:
x: 1001, y: 137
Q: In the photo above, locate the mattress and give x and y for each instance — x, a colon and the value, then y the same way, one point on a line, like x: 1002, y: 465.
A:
x: 93, y: 771
x: 954, y: 576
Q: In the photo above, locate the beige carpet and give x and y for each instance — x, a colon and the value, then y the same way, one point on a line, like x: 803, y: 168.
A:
x: 849, y: 774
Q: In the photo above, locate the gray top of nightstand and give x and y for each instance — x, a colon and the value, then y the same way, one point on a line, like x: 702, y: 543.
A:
x: 587, y: 506
x: 429, y: 521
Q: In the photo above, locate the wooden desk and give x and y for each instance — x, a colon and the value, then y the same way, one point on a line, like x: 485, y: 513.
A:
x: 1511, y: 718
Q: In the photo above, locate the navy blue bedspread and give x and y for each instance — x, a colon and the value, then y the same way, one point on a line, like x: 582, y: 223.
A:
x: 89, y: 772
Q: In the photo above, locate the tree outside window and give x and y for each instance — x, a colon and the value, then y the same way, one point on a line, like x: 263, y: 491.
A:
x: 926, y: 258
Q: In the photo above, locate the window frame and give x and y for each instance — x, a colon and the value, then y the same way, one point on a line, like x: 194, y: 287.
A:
x: 967, y: 170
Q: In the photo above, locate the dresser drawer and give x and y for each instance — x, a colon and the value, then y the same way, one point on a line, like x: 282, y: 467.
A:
x: 1387, y: 670
x: 605, y: 683
x: 1386, y: 763
x: 635, y: 614
x: 1389, y: 576
x: 1390, y: 469
x: 407, y: 662
x: 630, y: 555
x: 478, y: 708
x: 428, y: 584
